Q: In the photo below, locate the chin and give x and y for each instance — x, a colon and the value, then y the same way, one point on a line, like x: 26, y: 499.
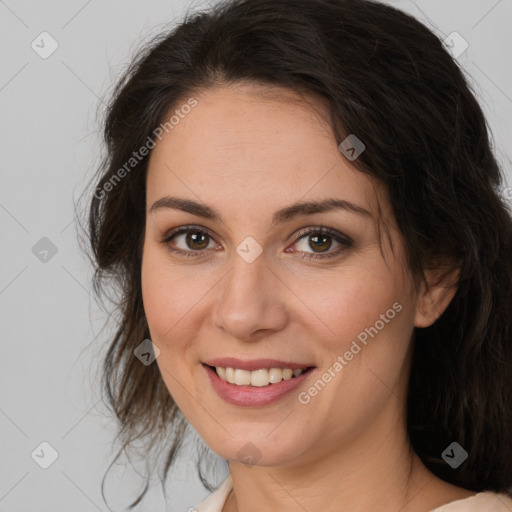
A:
x: 258, y: 449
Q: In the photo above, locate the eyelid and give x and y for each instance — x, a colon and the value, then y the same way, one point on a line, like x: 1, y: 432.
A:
x: 323, y: 229
x: 190, y: 227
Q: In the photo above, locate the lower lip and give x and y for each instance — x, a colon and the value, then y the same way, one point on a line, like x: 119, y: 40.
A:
x: 254, y: 396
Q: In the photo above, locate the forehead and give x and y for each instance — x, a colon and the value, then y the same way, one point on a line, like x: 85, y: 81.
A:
x: 245, y: 147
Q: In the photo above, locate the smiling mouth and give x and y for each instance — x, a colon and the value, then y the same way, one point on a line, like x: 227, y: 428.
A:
x: 257, y: 378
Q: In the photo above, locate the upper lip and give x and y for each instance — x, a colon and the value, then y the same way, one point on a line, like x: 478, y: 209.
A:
x: 254, y: 364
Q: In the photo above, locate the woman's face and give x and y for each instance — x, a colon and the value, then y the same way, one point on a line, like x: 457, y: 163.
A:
x: 248, y: 288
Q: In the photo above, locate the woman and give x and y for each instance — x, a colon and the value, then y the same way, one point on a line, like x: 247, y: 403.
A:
x: 302, y: 212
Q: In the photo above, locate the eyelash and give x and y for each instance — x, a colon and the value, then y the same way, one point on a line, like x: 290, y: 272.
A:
x: 345, y: 242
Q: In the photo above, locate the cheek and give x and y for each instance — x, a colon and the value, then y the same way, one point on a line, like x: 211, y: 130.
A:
x: 161, y: 290
x: 354, y: 300
x: 166, y: 313
x: 174, y: 297
x: 156, y: 302
x: 364, y: 350
x: 370, y: 321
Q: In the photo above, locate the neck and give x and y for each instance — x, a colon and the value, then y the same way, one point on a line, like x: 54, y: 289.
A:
x: 377, y: 470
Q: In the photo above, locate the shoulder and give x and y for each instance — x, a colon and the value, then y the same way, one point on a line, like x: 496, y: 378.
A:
x: 216, y: 499
x: 487, y: 501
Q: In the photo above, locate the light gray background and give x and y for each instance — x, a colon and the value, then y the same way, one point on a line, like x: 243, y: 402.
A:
x: 49, y: 146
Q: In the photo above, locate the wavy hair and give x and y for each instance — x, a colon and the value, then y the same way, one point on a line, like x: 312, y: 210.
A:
x: 387, y: 78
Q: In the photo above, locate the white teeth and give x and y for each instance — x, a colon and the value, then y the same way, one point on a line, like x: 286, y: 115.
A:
x: 275, y: 375
x: 257, y: 378
x: 242, y: 377
x: 230, y: 375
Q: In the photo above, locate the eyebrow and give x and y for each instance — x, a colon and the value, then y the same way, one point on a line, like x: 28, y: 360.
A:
x: 285, y: 214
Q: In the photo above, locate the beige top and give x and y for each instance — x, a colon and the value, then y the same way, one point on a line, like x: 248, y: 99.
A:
x: 482, y: 502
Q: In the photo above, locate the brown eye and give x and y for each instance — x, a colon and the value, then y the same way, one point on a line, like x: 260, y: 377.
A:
x: 320, y: 240
x: 196, y: 240
x: 189, y: 241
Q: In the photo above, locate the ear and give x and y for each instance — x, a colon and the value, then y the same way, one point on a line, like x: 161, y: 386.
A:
x: 435, y: 298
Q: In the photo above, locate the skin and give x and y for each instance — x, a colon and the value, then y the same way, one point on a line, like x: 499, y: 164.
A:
x: 247, y: 156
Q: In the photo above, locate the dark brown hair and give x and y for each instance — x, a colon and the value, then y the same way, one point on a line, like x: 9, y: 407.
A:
x: 389, y: 80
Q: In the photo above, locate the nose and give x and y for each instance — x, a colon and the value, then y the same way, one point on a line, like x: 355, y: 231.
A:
x: 251, y: 300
